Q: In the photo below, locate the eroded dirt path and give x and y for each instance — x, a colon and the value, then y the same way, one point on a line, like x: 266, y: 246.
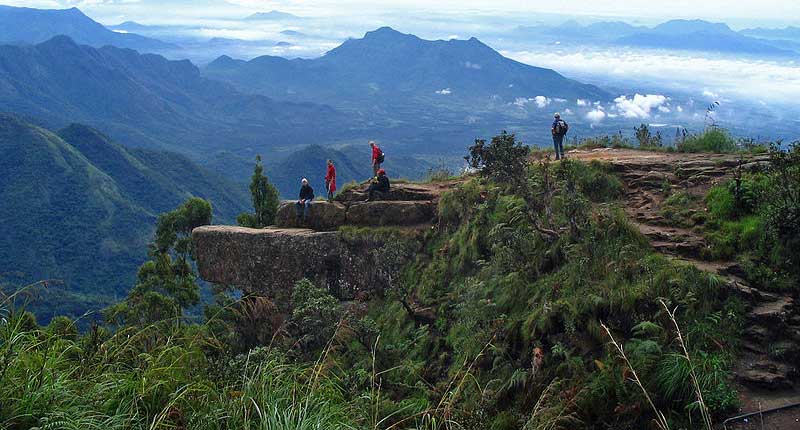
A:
x: 765, y: 379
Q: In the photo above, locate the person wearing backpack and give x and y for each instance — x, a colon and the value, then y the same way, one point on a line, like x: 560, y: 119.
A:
x: 559, y: 130
x: 377, y: 157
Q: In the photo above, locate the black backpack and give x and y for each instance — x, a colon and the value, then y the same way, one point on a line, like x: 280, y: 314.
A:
x: 381, y: 158
x: 562, y: 127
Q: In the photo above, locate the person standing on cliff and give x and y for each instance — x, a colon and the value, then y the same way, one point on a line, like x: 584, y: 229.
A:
x: 330, y: 180
x: 377, y: 157
x: 559, y: 131
x: 303, y: 205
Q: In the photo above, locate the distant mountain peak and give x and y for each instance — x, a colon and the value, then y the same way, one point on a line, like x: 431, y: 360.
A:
x: 273, y: 15
x: 687, y: 26
x: 60, y: 41
x: 386, y: 32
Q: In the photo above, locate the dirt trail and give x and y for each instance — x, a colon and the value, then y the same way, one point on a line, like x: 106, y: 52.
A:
x: 765, y: 378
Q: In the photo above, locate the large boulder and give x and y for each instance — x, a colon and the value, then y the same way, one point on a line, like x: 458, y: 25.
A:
x: 388, y: 213
x: 323, y: 216
x: 397, y: 192
x: 269, y: 261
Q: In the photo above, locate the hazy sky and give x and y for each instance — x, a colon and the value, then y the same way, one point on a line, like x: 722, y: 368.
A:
x: 738, y: 12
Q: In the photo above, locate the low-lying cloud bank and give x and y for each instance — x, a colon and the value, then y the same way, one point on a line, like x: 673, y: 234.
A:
x: 709, y: 77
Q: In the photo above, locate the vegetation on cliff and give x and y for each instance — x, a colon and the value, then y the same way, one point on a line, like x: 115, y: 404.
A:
x: 534, y: 304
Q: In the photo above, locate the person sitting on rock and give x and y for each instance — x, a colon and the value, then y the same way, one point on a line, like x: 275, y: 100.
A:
x: 379, y: 184
x: 303, y: 205
x: 330, y: 180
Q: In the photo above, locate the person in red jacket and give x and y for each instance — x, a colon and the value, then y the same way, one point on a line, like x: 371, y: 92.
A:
x: 377, y: 158
x: 330, y: 180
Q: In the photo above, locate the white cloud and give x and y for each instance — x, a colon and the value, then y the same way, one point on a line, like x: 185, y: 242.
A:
x: 679, y: 109
x: 640, y: 105
x: 568, y: 111
x: 541, y: 101
x: 664, y: 109
x: 710, y: 94
x: 558, y: 100
x: 471, y: 65
x: 596, y: 115
x: 582, y: 102
x: 444, y: 92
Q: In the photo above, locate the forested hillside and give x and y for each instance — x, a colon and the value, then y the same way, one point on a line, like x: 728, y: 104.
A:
x: 78, y: 209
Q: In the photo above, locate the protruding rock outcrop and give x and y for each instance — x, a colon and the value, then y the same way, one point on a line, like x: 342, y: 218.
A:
x: 269, y: 261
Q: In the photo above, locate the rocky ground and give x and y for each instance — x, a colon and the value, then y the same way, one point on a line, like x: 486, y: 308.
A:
x: 766, y: 379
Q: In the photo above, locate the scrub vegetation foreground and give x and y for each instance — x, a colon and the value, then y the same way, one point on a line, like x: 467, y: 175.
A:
x: 534, y: 303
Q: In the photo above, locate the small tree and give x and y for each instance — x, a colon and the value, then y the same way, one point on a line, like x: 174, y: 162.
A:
x: 647, y: 139
x: 504, y: 159
x: 166, y: 284
x: 265, y: 200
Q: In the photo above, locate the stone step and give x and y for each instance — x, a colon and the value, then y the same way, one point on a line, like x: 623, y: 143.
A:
x: 772, y: 313
x: 767, y: 374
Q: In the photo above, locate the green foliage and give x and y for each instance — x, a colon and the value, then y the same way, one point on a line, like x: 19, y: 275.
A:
x: 108, y: 382
x: 683, y: 209
x: 714, y: 140
x: 498, y: 278
x: 616, y: 141
x: 315, y: 316
x: 782, y: 207
x: 503, y: 159
x: 265, y: 200
x: 166, y: 283
x: 598, y: 183
x: 753, y: 216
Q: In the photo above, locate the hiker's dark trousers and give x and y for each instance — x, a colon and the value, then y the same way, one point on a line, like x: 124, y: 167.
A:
x: 558, y: 143
x: 303, y: 209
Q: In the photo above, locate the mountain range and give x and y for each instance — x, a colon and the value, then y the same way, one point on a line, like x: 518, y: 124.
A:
x: 389, y: 68
x: 692, y: 35
x: 146, y: 100
x: 80, y: 209
x: 32, y: 26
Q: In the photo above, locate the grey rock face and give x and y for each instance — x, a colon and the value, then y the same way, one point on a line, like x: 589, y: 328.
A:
x: 270, y: 261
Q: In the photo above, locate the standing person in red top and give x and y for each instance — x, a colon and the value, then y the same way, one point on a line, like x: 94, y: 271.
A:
x: 330, y: 180
x: 377, y: 158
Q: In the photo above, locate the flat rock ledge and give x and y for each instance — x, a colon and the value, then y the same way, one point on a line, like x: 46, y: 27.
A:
x: 270, y: 261
x: 325, y: 216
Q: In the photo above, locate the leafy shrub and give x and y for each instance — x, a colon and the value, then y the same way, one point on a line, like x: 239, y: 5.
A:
x: 782, y: 207
x: 315, y: 316
x: 503, y: 159
x: 712, y: 140
x: 598, y: 183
